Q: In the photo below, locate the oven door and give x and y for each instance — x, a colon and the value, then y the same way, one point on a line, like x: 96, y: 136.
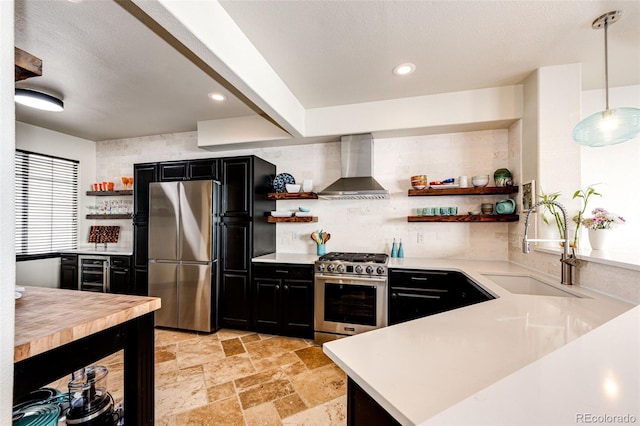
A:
x: 346, y: 306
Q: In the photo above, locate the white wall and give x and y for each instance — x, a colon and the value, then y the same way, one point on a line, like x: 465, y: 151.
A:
x: 615, y: 169
x: 360, y: 225
x: 46, y: 272
x: 7, y: 221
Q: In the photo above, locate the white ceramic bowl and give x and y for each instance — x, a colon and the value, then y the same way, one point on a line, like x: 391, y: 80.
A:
x: 482, y: 180
x: 292, y: 188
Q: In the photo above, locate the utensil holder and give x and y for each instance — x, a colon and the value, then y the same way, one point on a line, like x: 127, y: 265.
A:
x: 321, y: 249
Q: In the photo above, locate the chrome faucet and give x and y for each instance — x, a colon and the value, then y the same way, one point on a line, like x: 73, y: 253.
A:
x: 568, y: 261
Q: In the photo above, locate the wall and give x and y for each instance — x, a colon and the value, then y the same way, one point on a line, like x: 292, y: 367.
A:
x: 46, y: 272
x: 359, y: 225
x: 7, y: 215
x: 554, y: 113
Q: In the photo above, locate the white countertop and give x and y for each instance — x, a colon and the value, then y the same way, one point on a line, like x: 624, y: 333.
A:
x: 100, y: 250
x: 418, y: 369
x: 292, y: 258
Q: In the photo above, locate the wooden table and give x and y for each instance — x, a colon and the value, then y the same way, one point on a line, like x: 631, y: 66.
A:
x: 60, y: 331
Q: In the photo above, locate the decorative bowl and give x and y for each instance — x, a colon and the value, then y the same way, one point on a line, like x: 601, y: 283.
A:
x: 481, y: 180
x: 304, y: 209
x: 292, y: 188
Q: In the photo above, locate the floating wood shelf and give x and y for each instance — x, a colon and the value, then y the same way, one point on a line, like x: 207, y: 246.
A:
x: 272, y: 219
x: 473, y: 190
x: 109, y: 216
x: 292, y: 196
x: 110, y: 193
x: 466, y: 218
x: 26, y: 65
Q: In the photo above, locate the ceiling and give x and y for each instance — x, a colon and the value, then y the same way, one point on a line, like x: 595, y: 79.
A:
x: 120, y: 79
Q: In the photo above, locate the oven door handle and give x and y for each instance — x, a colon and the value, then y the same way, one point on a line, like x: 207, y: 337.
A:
x: 350, y: 279
x: 414, y: 296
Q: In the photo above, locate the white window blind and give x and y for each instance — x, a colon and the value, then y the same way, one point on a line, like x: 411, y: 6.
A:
x: 46, y: 204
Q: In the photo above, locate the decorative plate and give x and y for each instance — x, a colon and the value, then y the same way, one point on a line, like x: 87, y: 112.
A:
x: 281, y: 180
x: 443, y: 186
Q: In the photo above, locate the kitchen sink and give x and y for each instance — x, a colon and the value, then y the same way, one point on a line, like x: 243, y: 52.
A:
x: 526, y: 284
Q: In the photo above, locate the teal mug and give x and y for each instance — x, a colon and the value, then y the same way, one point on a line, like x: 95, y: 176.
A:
x: 507, y: 206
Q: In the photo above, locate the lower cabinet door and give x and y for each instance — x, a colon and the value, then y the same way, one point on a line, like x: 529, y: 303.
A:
x: 266, y: 303
x: 297, y: 312
x: 235, y: 299
x: 69, y: 277
x: 119, y: 280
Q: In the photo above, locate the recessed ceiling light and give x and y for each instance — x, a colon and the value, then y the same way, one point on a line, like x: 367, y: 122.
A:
x: 38, y: 100
x: 404, y: 69
x: 218, y: 97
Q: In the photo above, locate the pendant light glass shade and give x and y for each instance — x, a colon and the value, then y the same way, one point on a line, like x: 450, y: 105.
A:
x: 38, y: 100
x: 611, y: 126
x: 608, y: 127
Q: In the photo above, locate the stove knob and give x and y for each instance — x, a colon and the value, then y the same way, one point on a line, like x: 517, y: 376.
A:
x: 358, y: 269
x: 341, y: 268
x: 369, y: 270
x: 321, y: 267
x: 331, y: 268
x: 380, y: 270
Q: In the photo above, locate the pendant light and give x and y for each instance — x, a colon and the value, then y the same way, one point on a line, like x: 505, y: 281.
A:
x: 39, y: 100
x: 611, y: 126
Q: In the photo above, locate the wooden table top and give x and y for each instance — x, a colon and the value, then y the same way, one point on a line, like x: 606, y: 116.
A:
x: 47, y: 318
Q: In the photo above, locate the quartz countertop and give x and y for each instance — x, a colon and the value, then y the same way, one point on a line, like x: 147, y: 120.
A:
x: 292, y: 258
x: 418, y: 369
x: 100, y: 250
x: 46, y: 318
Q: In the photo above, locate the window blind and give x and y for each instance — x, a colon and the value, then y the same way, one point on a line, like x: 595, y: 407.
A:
x: 46, y: 204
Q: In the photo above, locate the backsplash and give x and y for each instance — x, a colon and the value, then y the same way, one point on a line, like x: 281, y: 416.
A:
x: 358, y: 225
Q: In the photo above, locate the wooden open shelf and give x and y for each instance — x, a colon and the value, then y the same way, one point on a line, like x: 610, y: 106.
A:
x: 472, y: 190
x: 110, y: 193
x: 466, y: 218
x: 109, y: 216
x: 292, y: 196
x: 293, y: 219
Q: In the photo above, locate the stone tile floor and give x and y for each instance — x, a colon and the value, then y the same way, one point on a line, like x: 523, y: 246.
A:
x: 239, y: 378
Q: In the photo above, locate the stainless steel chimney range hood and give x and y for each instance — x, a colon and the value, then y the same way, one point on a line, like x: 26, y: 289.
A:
x: 357, y: 182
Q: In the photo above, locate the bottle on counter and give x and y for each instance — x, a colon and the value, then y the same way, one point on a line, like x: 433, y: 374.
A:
x: 394, y: 252
x: 400, y: 249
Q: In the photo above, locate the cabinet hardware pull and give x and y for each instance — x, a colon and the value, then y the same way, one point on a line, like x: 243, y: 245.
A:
x: 277, y: 287
x: 286, y: 287
x: 282, y: 271
x: 419, y: 278
x: 418, y: 296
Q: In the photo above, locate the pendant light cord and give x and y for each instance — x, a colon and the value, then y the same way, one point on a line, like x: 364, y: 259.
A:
x: 606, y: 64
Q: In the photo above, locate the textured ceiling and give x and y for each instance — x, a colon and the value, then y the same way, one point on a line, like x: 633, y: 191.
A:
x: 119, y: 79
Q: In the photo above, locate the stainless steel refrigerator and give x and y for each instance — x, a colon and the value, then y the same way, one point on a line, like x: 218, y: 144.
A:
x: 183, y: 253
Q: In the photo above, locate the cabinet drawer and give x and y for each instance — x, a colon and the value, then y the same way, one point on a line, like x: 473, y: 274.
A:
x: 69, y: 259
x: 120, y: 261
x: 439, y: 280
x: 281, y: 270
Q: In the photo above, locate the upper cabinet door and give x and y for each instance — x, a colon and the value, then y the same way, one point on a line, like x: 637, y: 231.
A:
x: 236, y: 187
x: 143, y: 175
x: 203, y: 169
x: 172, y: 171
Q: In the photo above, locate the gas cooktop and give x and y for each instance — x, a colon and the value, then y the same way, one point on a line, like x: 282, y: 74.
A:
x: 355, y: 257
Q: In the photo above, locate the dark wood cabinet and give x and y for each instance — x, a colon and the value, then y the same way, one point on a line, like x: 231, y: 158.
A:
x: 417, y: 293
x: 120, y: 275
x: 363, y: 410
x: 283, y: 299
x: 189, y: 170
x: 235, y: 300
x: 236, y: 187
x: 143, y: 175
x: 174, y: 170
x: 69, y: 271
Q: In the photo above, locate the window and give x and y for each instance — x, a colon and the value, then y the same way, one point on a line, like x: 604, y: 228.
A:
x: 46, y: 204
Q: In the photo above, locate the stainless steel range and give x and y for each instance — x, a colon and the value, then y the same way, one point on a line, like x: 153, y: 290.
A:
x: 350, y: 294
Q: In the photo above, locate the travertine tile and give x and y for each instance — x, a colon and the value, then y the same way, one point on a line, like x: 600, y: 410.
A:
x: 180, y: 397
x: 224, y: 412
x: 221, y: 391
x: 294, y: 369
x: 198, y: 351
x: 232, y: 347
x: 331, y: 413
x: 250, y: 338
x: 164, y: 336
x: 313, y: 357
x: 320, y: 385
x: 289, y: 405
x: 281, y: 360
x: 262, y: 415
x: 274, y: 346
x: 244, y: 383
x: 165, y: 353
x: 265, y: 392
x: 227, y: 369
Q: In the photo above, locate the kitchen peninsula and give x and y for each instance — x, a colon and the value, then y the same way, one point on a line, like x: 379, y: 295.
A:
x: 60, y: 331
x: 553, y: 357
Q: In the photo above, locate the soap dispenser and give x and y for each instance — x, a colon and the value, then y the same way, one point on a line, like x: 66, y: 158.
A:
x: 400, y: 249
x: 394, y: 252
